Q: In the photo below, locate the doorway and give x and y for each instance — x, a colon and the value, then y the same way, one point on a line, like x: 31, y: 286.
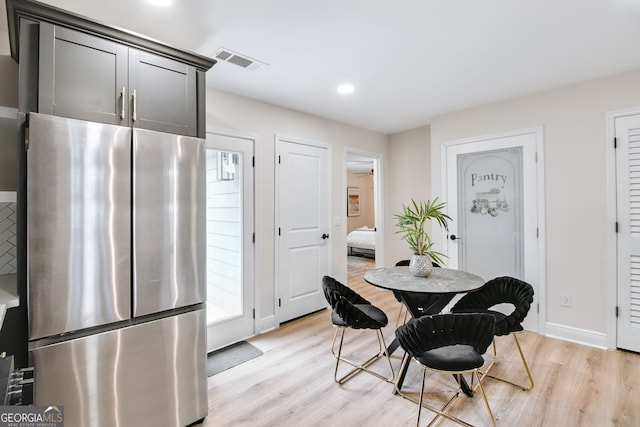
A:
x: 230, y: 250
x: 494, y: 196
x: 363, y: 229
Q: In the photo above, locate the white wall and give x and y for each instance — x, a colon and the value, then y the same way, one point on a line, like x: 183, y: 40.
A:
x: 409, y: 165
x: 230, y: 112
x: 574, y: 122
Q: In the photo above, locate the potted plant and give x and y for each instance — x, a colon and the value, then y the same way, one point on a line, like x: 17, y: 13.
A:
x: 411, y: 224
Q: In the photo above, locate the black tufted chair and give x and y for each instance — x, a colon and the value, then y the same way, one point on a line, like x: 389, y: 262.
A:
x: 501, y: 290
x: 351, y: 311
x: 447, y: 343
x: 419, y: 302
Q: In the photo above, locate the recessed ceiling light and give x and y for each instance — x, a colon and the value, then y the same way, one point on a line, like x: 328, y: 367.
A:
x: 345, y: 89
x: 160, y: 2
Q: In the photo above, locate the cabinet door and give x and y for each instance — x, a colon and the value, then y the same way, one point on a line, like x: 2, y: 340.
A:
x: 82, y: 76
x: 165, y: 94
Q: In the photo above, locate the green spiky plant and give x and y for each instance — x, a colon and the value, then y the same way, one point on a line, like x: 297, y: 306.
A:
x: 412, y: 221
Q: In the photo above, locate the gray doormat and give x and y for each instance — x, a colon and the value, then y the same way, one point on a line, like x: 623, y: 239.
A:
x: 228, y: 357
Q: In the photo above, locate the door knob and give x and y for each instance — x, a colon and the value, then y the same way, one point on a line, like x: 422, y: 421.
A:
x: 454, y: 237
x: 325, y: 236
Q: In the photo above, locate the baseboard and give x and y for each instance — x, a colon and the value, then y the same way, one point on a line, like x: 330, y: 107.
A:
x: 265, y: 324
x: 577, y: 335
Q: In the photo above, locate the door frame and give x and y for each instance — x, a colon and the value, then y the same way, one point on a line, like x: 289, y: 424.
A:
x: 378, y: 200
x: 276, y: 207
x: 612, y: 217
x: 540, y: 212
x: 249, y: 256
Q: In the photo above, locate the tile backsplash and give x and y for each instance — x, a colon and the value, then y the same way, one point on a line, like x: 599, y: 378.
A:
x: 8, y: 264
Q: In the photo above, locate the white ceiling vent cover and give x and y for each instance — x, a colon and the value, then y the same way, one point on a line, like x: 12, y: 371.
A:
x: 235, y: 58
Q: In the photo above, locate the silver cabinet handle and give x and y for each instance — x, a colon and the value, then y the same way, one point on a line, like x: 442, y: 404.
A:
x: 123, y: 95
x: 133, y: 113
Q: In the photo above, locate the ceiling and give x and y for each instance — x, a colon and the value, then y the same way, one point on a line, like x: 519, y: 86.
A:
x: 409, y: 60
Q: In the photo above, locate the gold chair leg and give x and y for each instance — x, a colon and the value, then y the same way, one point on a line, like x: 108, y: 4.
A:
x: 399, y: 316
x: 421, y: 404
x: 485, y: 372
x: 524, y: 363
x: 484, y: 397
x: 359, y: 367
x: 405, y: 359
x: 337, y: 356
x: 402, y: 314
x: 424, y: 376
x: 383, y: 349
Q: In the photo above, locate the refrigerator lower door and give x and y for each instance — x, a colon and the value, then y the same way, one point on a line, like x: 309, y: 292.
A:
x: 78, y: 224
x: 169, y: 209
x: 151, y: 374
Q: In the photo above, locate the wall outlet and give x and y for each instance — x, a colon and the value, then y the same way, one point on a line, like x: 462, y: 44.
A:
x: 565, y: 300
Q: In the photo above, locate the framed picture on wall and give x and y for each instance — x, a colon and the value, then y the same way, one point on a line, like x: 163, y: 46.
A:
x: 353, y: 201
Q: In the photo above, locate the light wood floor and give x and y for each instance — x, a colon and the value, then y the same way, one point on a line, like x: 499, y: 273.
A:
x: 291, y: 384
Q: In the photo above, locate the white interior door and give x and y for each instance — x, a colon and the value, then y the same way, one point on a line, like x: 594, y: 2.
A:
x: 302, y: 224
x: 627, y: 131
x: 492, y: 198
x: 230, y: 253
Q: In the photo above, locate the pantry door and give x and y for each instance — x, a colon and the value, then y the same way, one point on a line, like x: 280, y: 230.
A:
x: 492, y: 197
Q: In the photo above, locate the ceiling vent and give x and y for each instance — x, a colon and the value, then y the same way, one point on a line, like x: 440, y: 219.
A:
x: 235, y: 58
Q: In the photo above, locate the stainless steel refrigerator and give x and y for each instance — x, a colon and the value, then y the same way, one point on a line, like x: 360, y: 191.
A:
x: 116, y: 273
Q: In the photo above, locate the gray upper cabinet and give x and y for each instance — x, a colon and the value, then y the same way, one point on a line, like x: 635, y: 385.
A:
x: 163, y: 94
x: 72, y: 66
x: 85, y: 77
x: 82, y: 76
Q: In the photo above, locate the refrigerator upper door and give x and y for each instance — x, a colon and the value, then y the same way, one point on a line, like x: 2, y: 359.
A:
x: 168, y: 221
x: 78, y: 224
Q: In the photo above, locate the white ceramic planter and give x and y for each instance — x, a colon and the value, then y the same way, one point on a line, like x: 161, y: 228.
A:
x: 420, y: 265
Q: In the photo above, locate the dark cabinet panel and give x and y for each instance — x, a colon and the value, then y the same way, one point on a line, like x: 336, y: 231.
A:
x: 165, y: 94
x: 85, y: 77
x: 82, y: 76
